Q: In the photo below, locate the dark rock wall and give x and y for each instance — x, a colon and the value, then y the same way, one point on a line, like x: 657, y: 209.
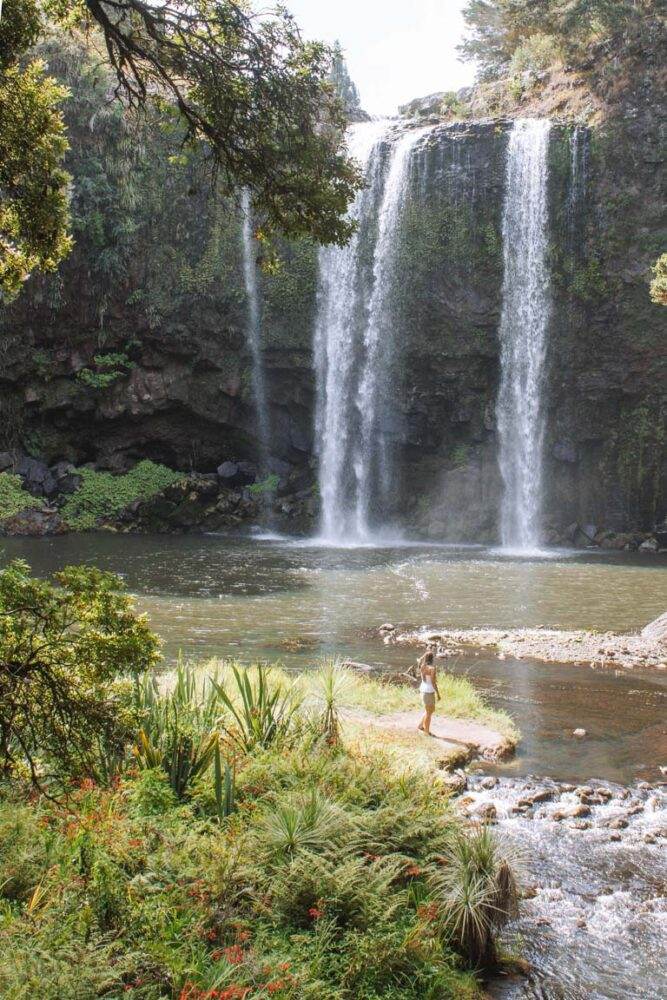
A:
x: 154, y: 289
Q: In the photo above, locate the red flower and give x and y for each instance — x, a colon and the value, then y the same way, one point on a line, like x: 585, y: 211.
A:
x: 243, y: 935
x: 233, y: 954
x: 284, y: 966
x: 315, y: 913
x: 413, y: 870
x: 428, y: 911
x: 275, y: 986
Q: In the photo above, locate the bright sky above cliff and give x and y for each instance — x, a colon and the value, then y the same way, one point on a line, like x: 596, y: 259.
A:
x: 395, y: 49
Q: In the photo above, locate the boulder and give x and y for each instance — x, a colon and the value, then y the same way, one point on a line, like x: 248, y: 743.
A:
x: 485, y: 811
x: 6, y: 460
x: 236, y: 473
x: 656, y: 631
x: 34, y: 523
x: 649, y: 545
x: 37, y: 477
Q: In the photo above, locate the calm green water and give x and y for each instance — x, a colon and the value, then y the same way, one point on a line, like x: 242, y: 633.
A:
x: 250, y: 598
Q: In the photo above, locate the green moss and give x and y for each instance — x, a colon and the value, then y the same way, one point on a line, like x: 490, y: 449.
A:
x: 267, y: 485
x: 13, y: 498
x: 103, y: 494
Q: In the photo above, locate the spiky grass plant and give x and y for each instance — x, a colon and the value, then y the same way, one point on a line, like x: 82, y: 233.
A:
x: 331, y: 685
x: 477, y: 893
x: 296, y: 822
x: 263, y: 708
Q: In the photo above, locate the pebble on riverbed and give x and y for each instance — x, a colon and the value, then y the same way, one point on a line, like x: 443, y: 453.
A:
x: 579, y: 732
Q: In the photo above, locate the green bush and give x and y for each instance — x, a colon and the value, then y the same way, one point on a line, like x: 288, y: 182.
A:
x: 13, y: 498
x: 103, y: 494
x: 62, y: 647
x: 536, y: 53
x: 267, y: 485
x: 332, y: 875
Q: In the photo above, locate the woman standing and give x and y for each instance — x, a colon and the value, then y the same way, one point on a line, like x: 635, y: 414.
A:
x: 428, y: 689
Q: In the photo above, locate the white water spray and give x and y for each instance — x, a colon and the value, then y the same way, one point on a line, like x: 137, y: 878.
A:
x: 524, y: 326
x: 353, y: 339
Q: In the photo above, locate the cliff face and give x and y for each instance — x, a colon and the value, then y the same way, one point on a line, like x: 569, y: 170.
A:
x: 137, y: 349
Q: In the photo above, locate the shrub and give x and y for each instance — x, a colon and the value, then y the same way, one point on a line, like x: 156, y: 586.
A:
x: 13, y: 498
x: 178, y: 732
x: 477, y: 892
x: 268, y: 485
x: 538, y: 52
x: 62, y: 645
x: 263, y: 709
x: 102, y: 494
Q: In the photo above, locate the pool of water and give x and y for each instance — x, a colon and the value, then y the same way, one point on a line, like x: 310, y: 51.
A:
x: 294, y: 602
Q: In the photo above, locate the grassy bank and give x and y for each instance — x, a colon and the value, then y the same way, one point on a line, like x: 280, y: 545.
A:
x: 240, y: 847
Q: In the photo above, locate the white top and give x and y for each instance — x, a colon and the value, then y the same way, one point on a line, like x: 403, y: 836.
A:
x: 426, y: 686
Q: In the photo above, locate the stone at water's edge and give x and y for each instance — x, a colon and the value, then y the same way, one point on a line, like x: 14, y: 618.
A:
x: 549, y: 645
x: 656, y: 631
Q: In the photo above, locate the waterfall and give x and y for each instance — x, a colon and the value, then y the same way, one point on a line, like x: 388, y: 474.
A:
x: 254, y: 329
x: 353, y: 343
x: 523, y: 333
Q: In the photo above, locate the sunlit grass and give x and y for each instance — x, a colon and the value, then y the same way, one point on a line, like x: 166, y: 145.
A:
x: 460, y: 699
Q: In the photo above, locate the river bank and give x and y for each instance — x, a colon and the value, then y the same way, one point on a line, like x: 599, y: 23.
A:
x: 627, y: 651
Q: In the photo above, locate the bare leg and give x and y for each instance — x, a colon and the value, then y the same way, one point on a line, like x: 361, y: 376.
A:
x: 427, y: 721
x: 423, y: 720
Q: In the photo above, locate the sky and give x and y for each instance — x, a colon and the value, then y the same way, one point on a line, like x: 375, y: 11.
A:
x: 395, y: 49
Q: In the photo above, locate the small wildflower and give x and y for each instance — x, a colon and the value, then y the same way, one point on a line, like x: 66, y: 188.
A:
x: 233, y: 954
x: 315, y: 912
x: 275, y: 986
x: 413, y: 870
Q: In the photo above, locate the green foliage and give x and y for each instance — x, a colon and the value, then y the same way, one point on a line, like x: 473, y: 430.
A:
x: 178, y: 729
x: 264, y: 710
x: 477, y: 892
x: 343, y: 83
x: 34, y: 216
x: 319, y: 882
x: 110, y: 368
x: 538, y: 52
x: 103, y: 495
x: 460, y: 455
x: 588, y: 281
x: 530, y: 35
x: 659, y: 282
x: 13, y: 498
x: 62, y: 645
x: 268, y: 485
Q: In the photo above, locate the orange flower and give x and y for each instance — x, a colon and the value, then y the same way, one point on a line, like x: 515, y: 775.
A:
x: 275, y: 986
x: 413, y: 870
x: 233, y: 954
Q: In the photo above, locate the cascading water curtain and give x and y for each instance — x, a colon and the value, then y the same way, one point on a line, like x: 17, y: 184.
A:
x: 353, y: 342
x: 524, y: 326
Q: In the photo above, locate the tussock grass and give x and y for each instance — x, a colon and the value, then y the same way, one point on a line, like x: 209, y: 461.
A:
x: 328, y: 683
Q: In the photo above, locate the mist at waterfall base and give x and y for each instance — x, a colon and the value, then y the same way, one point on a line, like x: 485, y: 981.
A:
x: 357, y: 344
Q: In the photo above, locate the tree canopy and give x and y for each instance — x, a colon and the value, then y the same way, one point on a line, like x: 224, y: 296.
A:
x: 497, y: 28
x: 246, y: 86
